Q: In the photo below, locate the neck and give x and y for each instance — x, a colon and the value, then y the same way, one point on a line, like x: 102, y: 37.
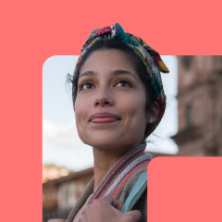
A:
x: 104, y: 159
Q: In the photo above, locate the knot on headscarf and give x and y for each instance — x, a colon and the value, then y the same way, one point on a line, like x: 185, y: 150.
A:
x: 148, y: 56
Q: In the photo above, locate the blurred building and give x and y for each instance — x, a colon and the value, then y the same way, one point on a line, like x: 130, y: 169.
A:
x: 199, y: 106
x: 50, y: 172
x: 60, y: 195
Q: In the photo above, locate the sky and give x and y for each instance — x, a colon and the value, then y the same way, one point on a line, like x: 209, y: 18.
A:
x: 61, y: 144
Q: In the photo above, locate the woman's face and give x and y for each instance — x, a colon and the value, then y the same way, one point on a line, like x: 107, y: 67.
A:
x: 110, y: 102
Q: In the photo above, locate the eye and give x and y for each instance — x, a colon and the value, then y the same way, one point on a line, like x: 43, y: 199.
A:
x: 86, y: 85
x: 124, y: 83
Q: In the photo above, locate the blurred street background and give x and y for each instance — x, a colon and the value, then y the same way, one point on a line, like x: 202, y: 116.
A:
x: 191, y: 126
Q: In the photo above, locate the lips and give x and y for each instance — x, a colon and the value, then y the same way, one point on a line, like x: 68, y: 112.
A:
x: 104, y: 118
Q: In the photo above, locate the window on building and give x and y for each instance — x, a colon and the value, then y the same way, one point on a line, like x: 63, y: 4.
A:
x: 189, y: 116
x: 217, y: 60
x: 217, y: 64
x: 67, y: 194
x: 212, y: 152
x: 187, y: 62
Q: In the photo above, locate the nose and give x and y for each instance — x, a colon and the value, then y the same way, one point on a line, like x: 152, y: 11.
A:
x: 103, y: 98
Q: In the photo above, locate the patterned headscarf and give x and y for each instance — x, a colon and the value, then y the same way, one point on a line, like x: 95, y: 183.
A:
x: 148, y: 56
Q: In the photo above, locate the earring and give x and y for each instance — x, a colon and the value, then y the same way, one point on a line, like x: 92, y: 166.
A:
x: 151, y: 120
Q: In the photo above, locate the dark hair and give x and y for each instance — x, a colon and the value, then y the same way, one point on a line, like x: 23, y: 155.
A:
x: 134, y: 60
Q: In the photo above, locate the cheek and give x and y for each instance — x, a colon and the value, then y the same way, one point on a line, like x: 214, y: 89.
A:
x: 80, y: 112
x: 134, y: 109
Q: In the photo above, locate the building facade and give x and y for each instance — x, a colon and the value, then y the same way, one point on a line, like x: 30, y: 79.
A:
x: 199, y: 106
x: 60, y: 195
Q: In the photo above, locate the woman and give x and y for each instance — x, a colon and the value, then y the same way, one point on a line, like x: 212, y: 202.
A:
x: 118, y: 100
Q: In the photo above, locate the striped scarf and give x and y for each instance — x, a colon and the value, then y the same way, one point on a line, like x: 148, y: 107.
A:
x: 118, y: 182
x: 117, y: 179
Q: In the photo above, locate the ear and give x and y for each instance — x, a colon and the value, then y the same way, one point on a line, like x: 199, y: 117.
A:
x: 156, y: 110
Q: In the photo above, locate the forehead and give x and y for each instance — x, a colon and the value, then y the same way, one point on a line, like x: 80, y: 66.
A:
x: 107, y: 60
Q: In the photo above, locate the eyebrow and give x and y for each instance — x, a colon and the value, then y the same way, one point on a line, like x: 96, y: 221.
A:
x: 88, y: 73
x: 122, y: 72
x: 113, y: 73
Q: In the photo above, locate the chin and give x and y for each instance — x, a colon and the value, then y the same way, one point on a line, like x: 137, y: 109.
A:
x: 104, y: 141
x: 110, y: 142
